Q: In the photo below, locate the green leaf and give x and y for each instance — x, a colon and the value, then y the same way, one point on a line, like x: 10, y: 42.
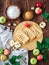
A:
x: 46, y: 40
x: 48, y: 19
x: 43, y: 45
x: 43, y: 51
x: 14, y: 57
x: 39, y: 46
x: 45, y: 57
x: 46, y: 43
x: 48, y: 49
x: 12, y: 60
x: 43, y: 9
x: 45, y: 15
x: 16, y: 63
x: 6, y: 64
x: 19, y: 57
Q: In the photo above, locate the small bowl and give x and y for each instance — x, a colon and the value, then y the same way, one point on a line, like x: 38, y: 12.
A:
x: 7, y: 15
x: 31, y: 15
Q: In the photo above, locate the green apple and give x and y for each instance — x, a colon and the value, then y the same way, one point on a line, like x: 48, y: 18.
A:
x: 33, y: 61
x: 2, y: 19
x: 1, y: 50
x: 36, y: 52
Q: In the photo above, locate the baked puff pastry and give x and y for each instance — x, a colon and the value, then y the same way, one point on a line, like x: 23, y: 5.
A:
x: 22, y: 37
x: 36, y: 31
x: 29, y: 33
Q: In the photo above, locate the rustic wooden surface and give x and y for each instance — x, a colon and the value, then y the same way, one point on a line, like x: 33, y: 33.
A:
x: 24, y: 6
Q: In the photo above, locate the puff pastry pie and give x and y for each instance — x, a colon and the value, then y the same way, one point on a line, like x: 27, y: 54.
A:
x: 22, y: 36
x: 36, y: 31
x: 30, y: 34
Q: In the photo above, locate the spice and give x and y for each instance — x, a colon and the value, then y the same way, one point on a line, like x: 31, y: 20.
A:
x: 28, y: 15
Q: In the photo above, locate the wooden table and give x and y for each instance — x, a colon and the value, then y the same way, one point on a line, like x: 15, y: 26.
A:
x: 24, y: 6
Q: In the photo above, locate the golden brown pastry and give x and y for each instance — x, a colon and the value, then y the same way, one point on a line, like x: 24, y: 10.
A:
x: 30, y: 34
x: 22, y: 37
x: 36, y: 31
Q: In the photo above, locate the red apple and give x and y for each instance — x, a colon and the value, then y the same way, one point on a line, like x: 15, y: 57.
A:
x: 38, y: 11
x: 7, y: 51
x: 40, y: 57
x: 39, y: 4
x: 26, y: 24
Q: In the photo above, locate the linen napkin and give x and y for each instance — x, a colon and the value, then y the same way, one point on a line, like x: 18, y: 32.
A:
x: 5, y: 37
x: 22, y: 52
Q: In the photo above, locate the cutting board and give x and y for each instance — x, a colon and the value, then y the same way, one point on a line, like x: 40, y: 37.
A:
x: 30, y: 45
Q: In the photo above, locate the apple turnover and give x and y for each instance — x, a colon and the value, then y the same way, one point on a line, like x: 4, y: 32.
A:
x: 36, y: 31
x: 29, y: 33
x: 22, y: 36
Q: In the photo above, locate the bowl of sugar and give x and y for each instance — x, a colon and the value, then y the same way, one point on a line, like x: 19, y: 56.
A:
x: 13, y: 12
